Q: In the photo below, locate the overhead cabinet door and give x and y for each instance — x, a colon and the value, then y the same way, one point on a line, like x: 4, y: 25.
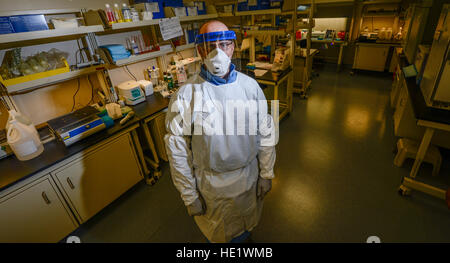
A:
x: 34, y: 213
x: 92, y: 182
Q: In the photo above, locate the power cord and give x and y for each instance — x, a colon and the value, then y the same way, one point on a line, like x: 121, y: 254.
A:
x: 92, y: 90
x: 129, y: 72
x: 74, y: 95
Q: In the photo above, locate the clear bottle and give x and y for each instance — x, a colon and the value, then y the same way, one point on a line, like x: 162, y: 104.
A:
x: 134, y: 15
x: 110, y: 14
x: 24, y: 140
x: 134, y: 47
x: 118, y: 13
x: 155, y: 75
x: 126, y: 13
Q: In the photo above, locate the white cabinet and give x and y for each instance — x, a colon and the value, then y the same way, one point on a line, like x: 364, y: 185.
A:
x: 371, y: 57
x: 98, y: 177
x: 35, y: 213
x: 405, y: 123
x: 158, y: 131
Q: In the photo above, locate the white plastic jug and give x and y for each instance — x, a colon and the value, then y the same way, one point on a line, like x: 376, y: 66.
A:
x: 24, y: 140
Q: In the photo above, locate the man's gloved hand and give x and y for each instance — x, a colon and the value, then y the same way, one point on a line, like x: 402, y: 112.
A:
x: 263, y: 187
x: 197, y: 208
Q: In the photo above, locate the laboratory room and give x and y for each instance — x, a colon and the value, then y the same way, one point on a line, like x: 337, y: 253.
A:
x: 242, y: 121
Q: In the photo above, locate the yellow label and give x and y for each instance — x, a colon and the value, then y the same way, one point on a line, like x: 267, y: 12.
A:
x: 67, y: 137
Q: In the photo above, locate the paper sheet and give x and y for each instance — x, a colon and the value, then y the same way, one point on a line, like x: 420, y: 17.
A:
x: 260, y: 72
x: 263, y: 65
x: 170, y: 28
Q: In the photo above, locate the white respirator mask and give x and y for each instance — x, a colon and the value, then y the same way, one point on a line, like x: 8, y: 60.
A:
x: 217, y: 62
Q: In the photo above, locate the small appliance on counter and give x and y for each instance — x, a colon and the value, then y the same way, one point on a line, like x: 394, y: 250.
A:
x: 75, y: 126
x: 131, y: 92
x: 370, y: 37
x: 146, y: 86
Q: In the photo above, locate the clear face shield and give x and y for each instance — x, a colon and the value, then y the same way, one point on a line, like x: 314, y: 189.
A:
x: 223, y: 40
x: 216, y: 50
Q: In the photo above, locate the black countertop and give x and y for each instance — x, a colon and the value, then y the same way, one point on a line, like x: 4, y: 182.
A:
x: 13, y: 170
x: 273, y: 77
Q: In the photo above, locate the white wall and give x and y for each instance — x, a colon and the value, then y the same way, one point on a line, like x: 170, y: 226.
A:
x: 322, y: 24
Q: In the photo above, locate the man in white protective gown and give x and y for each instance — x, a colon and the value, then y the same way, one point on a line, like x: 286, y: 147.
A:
x: 221, y: 141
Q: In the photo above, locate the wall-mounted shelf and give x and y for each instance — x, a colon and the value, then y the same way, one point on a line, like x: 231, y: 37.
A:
x: 43, y: 34
x: 139, y: 58
x: 266, y: 32
x: 40, y: 12
x: 124, y: 25
x: 226, y: 14
x: 37, y: 83
x: 259, y: 12
x: 184, y: 47
x: 199, y: 17
x: 381, y: 14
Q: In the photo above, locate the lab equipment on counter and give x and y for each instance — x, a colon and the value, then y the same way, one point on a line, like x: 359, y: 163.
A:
x: 23, y: 137
x: 146, y: 86
x: 318, y: 34
x: 281, y: 60
x: 113, y: 110
x: 131, y: 92
x: 127, y: 117
x: 77, y: 125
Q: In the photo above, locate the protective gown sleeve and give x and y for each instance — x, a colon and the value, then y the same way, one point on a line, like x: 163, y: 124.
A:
x: 178, y: 147
x: 268, y: 139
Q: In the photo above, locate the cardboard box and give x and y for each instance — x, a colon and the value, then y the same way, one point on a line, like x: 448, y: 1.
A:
x: 155, y: 6
x: 95, y: 17
x: 288, y: 5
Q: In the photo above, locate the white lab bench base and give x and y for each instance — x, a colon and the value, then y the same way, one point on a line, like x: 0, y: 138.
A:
x: 51, y: 204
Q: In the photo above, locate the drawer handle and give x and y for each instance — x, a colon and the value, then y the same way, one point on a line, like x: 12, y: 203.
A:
x: 44, y: 196
x: 70, y: 183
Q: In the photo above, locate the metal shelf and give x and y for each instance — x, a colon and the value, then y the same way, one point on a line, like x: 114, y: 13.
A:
x: 124, y: 25
x: 37, y: 83
x: 266, y: 32
x: 199, y: 17
x: 184, y: 47
x: 43, y: 34
x: 381, y: 14
x: 259, y: 12
x: 226, y: 14
x: 139, y: 58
